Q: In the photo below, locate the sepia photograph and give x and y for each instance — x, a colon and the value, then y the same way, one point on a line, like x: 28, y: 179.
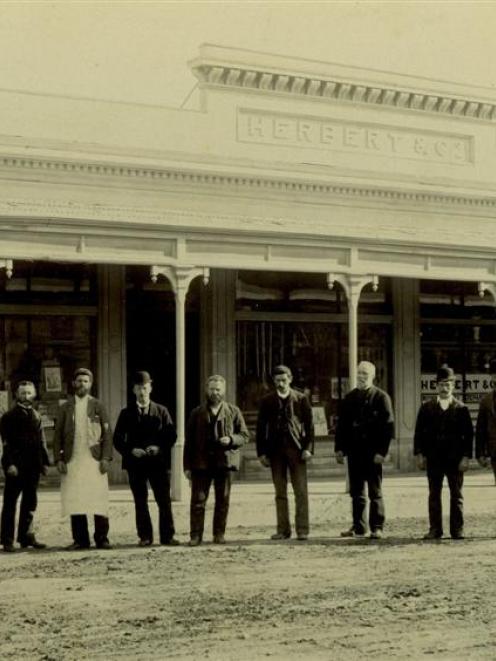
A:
x: 247, y: 330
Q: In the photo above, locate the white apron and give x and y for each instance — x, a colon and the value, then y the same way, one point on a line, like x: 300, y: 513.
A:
x: 84, y: 490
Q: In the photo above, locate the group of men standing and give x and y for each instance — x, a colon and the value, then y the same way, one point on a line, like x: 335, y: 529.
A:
x: 145, y: 435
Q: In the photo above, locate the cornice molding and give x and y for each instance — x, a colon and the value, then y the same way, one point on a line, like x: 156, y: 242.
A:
x: 240, y: 182
x: 227, y: 76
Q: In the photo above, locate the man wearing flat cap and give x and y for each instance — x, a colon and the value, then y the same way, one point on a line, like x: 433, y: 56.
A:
x: 144, y: 436
x: 443, y: 446
x: 82, y: 446
x: 485, y: 431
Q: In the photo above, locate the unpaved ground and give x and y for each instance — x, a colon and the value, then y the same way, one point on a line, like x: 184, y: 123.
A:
x: 399, y: 598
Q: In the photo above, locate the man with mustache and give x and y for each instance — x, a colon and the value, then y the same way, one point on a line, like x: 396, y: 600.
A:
x: 144, y: 435
x: 215, y: 432
x: 443, y: 447
x: 24, y: 458
x: 285, y: 437
x: 82, y: 446
x: 364, y: 432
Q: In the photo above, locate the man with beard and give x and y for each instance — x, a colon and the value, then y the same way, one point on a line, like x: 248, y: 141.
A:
x: 285, y: 438
x: 215, y: 432
x: 24, y: 458
x: 364, y: 432
x: 144, y: 435
x: 82, y: 447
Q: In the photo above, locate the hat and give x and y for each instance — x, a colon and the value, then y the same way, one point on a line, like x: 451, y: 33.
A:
x: 445, y: 373
x: 83, y: 371
x: 141, y: 378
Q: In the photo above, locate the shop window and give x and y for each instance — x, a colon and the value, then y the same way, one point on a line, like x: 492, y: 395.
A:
x: 45, y: 282
x: 317, y: 354
x: 457, y: 328
x: 47, y: 330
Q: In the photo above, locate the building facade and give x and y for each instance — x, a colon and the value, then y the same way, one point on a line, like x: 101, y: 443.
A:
x: 296, y: 211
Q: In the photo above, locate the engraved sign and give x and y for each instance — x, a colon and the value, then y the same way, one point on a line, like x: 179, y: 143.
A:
x: 365, y: 138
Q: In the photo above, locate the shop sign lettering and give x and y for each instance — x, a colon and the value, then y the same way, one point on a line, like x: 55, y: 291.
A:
x: 317, y: 133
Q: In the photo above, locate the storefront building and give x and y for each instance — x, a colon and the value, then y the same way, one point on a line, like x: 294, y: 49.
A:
x: 296, y: 212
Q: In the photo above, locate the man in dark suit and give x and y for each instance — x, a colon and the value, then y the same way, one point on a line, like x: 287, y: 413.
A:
x: 144, y: 435
x: 24, y: 459
x: 214, y: 433
x: 443, y: 445
x: 364, y: 432
x: 285, y: 438
x: 485, y: 431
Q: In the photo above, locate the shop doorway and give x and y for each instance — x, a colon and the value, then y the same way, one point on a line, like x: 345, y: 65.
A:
x: 151, y: 337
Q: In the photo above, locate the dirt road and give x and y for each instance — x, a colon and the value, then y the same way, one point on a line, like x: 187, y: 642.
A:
x: 329, y: 598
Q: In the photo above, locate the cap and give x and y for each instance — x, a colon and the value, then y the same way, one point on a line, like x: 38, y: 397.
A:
x: 141, y: 378
x: 445, y: 373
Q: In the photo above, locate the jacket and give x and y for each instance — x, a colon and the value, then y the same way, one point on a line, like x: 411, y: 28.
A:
x: 135, y: 431
x: 200, y: 453
x: 443, y: 437
x: 365, y: 424
x: 99, y: 427
x: 23, y: 441
x: 485, y: 429
x: 300, y: 423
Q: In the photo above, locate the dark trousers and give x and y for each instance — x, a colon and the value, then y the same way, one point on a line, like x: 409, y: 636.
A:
x: 80, y: 533
x: 158, y: 476
x: 435, y: 476
x: 201, y: 482
x: 363, y: 471
x: 14, y: 487
x: 287, y: 457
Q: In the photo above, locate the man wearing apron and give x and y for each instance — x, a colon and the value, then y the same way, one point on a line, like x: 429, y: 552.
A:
x: 83, y: 450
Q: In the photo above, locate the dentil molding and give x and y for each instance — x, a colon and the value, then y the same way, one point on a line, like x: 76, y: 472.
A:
x: 235, y: 182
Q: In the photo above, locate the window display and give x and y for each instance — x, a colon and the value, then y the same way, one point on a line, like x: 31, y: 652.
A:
x: 47, y: 329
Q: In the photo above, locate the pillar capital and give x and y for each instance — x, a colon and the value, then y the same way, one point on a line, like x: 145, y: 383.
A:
x: 180, y: 277
x: 352, y: 284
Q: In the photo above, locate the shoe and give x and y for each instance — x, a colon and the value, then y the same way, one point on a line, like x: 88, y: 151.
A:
x: 351, y: 533
x: 458, y: 535
x: 302, y: 538
x: 105, y: 545
x: 433, y: 534
x: 75, y: 546
x: 145, y: 542
x: 8, y: 548
x: 34, y: 543
x: 194, y: 541
x: 281, y: 535
x: 171, y: 542
x: 219, y: 539
x: 376, y: 534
